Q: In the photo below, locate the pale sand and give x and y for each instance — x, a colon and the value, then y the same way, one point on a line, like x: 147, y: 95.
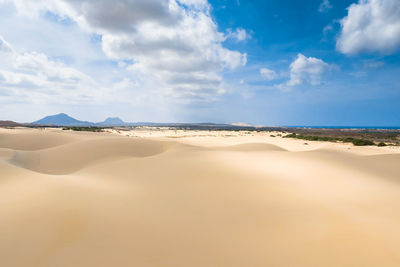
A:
x: 166, y: 198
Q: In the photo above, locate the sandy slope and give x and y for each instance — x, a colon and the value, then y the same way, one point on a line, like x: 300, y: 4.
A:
x: 84, y: 199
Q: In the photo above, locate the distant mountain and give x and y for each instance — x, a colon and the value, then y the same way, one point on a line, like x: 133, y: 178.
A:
x: 62, y: 119
x: 115, y: 121
x: 9, y: 124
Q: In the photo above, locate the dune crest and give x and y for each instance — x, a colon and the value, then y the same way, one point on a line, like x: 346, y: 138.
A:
x: 68, y: 158
x: 251, y: 147
x: 34, y: 140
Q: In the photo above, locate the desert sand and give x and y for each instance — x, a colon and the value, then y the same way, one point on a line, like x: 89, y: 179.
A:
x: 195, y: 198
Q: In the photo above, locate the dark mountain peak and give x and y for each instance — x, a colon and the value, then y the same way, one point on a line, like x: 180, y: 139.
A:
x: 61, y: 119
x: 113, y: 121
x: 61, y: 116
x: 9, y: 124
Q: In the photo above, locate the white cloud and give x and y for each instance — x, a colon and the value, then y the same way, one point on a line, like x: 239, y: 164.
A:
x: 372, y: 64
x: 268, y: 74
x: 34, y: 77
x: 324, y: 6
x: 327, y: 29
x: 305, y: 70
x: 174, y: 45
x: 370, y: 26
x: 4, y: 46
x: 239, y: 35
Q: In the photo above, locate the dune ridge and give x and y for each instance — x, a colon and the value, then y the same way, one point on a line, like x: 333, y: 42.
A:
x: 35, y: 140
x: 65, y: 159
x: 251, y: 147
x: 84, y: 199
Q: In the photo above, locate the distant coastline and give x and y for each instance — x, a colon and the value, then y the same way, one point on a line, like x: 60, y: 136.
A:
x: 62, y: 119
x: 346, y: 127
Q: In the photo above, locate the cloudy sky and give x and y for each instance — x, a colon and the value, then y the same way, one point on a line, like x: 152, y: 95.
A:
x: 275, y: 62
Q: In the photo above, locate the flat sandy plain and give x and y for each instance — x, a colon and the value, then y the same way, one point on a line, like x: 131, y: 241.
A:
x: 191, y: 198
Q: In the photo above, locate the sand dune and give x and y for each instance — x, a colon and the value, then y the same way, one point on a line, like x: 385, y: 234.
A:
x: 24, y: 139
x: 78, y: 199
x: 69, y: 158
x: 251, y: 147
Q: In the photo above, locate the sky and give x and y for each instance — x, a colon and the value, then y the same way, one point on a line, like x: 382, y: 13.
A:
x: 262, y: 62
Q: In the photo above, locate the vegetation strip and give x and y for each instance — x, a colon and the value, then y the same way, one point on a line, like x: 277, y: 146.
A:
x: 84, y: 129
x: 354, y: 141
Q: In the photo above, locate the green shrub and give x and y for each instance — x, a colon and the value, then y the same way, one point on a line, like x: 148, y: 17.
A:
x: 347, y: 139
x: 85, y: 129
x: 382, y: 144
x: 362, y: 142
x: 293, y: 135
x: 355, y: 141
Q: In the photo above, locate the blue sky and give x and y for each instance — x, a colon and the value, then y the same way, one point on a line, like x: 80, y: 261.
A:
x: 273, y: 62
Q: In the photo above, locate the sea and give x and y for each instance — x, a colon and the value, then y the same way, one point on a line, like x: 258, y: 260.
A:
x: 347, y: 127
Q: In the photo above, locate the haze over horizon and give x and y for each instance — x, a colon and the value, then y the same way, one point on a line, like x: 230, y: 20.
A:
x: 319, y: 62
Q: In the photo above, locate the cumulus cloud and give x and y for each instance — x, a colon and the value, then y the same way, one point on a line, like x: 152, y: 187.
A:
x: 31, y: 73
x: 238, y: 35
x: 305, y: 70
x: 268, y: 74
x: 370, y: 26
x: 174, y: 44
x: 324, y: 6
